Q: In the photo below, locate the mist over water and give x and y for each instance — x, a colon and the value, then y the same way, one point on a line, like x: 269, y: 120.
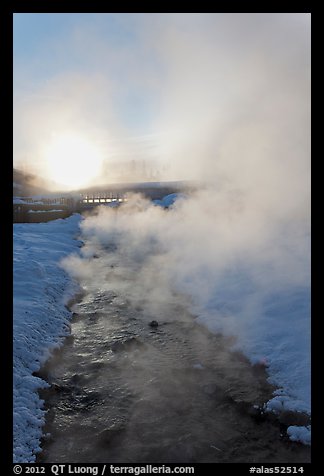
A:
x: 234, y: 266
x: 202, y: 238
x: 127, y: 390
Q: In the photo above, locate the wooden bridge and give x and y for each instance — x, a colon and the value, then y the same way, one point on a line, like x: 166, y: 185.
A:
x: 100, y: 198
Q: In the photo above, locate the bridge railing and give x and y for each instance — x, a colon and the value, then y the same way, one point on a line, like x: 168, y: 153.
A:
x: 102, y: 197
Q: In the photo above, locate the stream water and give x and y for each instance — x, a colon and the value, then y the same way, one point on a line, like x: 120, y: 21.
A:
x: 126, y: 389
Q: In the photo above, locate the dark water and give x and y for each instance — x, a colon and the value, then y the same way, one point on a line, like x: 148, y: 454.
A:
x: 123, y: 391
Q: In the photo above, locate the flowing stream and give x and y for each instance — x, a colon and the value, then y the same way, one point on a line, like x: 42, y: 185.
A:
x: 126, y: 389
x: 140, y: 381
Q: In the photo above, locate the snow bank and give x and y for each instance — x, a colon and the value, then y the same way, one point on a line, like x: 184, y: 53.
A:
x: 17, y: 200
x: 300, y: 433
x: 44, y: 211
x: 279, y: 339
x: 41, y: 288
x: 169, y: 200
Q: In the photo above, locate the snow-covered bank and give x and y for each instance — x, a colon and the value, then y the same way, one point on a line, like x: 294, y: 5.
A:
x: 41, y: 289
x: 279, y: 338
x: 246, y: 276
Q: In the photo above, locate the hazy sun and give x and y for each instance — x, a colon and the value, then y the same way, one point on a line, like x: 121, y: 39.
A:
x: 72, y: 161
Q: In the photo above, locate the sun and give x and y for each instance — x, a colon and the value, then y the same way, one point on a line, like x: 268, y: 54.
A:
x: 72, y: 160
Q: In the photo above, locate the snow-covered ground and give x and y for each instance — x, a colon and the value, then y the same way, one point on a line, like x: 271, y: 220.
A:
x: 279, y: 339
x: 168, y: 200
x: 41, y: 289
x: 45, y: 211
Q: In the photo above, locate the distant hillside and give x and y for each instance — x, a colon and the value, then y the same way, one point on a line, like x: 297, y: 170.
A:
x: 26, y: 184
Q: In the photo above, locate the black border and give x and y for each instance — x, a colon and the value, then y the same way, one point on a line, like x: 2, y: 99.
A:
x: 6, y: 256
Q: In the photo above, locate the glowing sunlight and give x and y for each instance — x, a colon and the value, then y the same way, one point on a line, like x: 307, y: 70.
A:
x: 72, y: 161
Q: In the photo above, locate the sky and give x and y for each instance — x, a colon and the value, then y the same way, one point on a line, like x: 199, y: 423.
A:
x: 190, y: 96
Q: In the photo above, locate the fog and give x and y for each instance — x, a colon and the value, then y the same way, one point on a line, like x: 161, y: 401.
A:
x: 207, y: 246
